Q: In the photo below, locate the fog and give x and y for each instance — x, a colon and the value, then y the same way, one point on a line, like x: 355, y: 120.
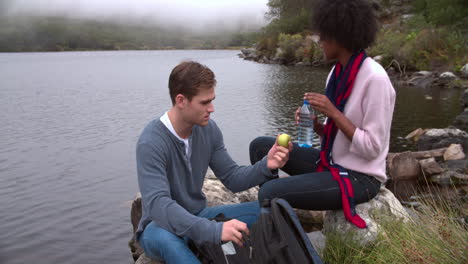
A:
x: 193, y: 14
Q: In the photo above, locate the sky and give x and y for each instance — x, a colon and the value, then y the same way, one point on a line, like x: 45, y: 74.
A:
x: 181, y: 12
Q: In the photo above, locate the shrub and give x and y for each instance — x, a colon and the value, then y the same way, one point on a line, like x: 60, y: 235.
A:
x: 289, y: 44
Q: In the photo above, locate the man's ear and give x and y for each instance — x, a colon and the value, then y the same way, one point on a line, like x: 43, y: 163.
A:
x: 180, y: 100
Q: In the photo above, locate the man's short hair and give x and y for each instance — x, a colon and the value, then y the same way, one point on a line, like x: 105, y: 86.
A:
x: 351, y: 23
x: 188, y: 78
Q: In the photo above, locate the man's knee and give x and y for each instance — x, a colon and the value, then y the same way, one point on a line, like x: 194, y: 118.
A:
x: 160, y: 243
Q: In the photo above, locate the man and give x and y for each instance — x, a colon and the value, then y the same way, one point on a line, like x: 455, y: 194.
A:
x: 173, y: 155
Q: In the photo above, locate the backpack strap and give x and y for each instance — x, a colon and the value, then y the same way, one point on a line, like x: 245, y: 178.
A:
x: 278, y: 202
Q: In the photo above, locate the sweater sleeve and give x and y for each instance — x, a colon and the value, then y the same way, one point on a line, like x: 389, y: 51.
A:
x: 370, y: 139
x: 163, y: 210
x: 236, y: 178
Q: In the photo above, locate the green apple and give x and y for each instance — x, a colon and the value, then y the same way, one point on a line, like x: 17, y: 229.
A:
x: 283, y: 140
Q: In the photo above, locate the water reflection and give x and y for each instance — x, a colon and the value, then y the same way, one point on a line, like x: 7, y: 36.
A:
x: 284, y: 87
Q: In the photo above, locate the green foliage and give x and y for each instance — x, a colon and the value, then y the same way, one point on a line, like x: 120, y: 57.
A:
x: 417, y: 45
x: 289, y: 24
x: 443, y: 12
x: 289, y: 44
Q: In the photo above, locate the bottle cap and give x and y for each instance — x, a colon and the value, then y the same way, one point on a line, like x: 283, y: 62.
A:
x: 306, y: 102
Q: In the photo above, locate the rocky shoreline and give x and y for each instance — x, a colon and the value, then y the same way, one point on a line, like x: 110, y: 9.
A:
x: 422, y: 79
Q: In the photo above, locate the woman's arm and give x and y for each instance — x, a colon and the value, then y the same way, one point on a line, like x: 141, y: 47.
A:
x: 322, y: 104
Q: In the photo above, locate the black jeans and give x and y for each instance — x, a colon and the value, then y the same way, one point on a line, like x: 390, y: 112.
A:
x: 308, y: 189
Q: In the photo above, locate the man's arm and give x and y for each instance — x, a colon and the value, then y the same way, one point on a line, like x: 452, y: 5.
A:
x: 163, y: 210
x: 237, y: 178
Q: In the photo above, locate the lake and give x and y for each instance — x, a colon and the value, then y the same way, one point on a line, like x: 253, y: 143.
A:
x: 70, y: 122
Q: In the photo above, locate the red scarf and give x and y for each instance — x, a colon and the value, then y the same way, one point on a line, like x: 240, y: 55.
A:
x: 339, y: 89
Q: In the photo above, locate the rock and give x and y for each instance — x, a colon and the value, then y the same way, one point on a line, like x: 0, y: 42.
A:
x: 318, y: 240
x: 378, y: 58
x: 464, y: 71
x: 143, y: 259
x: 459, y: 178
x: 404, y: 173
x: 440, y: 138
x: 135, y: 216
x: 447, y: 75
x: 414, y: 205
x: 415, y: 134
x: 454, y: 152
x: 403, y: 166
x: 384, y: 207
x: 278, y: 55
x: 310, y: 219
x: 217, y: 194
x: 422, y: 74
x: 460, y: 166
x: 461, y: 121
x: 248, y: 52
x: 450, y: 178
x: 407, y: 16
x: 430, y: 166
x: 464, y: 99
x: 422, y: 79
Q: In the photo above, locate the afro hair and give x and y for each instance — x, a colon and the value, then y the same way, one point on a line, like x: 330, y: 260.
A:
x: 351, y: 23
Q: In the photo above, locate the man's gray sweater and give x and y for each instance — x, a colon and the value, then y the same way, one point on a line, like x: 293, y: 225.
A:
x: 171, y: 184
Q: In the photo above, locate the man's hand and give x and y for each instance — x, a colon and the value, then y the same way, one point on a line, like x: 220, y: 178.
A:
x: 278, y: 155
x: 232, y: 231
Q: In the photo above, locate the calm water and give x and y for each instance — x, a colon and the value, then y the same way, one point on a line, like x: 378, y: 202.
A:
x: 70, y: 121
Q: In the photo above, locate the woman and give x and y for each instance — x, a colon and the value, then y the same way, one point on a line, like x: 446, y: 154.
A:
x: 358, y: 104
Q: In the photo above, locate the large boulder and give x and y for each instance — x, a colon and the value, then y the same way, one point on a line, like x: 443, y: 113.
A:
x: 318, y: 240
x: 422, y: 79
x: 464, y: 99
x: 217, y: 194
x: 430, y: 166
x: 450, y: 178
x: 143, y: 259
x: 404, y: 173
x: 441, y: 138
x: 454, y: 152
x: 461, y: 121
x: 384, y: 207
x: 464, y: 71
x: 403, y: 166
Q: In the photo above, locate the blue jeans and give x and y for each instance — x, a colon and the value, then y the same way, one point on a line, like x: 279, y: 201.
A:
x: 308, y: 189
x: 160, y: 244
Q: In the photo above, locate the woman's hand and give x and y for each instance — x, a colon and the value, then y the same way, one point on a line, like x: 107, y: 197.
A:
x: 318, y: 126
x: 322, y: 104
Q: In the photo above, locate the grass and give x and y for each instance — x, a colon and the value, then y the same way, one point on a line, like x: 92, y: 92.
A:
x: 433, y: 235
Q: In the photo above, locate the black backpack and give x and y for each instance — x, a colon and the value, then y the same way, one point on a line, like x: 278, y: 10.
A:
x: 277, y: 237
x: 214, y: 254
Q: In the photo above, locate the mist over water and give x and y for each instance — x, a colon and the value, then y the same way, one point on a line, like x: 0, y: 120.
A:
x: 195, y: 15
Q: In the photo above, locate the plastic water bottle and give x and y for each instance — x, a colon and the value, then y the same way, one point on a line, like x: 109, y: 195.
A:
x: 306, y: 126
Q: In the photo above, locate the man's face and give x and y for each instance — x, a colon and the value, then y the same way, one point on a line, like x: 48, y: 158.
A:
x: 198, y: 110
